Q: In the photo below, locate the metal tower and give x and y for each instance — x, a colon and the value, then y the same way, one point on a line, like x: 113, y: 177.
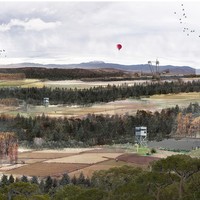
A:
x: 141, y: 135
x: 154, y: 69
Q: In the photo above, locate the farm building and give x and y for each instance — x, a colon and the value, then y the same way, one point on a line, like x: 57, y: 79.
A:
x: 46, y: 101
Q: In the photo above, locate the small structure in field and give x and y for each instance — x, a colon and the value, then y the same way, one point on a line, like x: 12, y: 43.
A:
x: 141, y: 135
x: 8, y: 148
x: 46, y: 101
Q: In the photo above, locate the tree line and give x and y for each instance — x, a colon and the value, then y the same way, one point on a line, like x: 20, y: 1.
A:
x: 97, y: 94
x: 61, y: 73
x: 95, y: 129
x: 175, y: 177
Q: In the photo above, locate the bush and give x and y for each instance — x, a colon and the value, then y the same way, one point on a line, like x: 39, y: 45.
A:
x: 153, y: 151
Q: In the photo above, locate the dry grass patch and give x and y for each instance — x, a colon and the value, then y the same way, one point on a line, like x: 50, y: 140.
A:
x: 66, y: 150
x: 86, y: 85
x: 22, y: 83
x: 164, y: 154
x: 30, y: 161
x: 88, y: 171
x: 181, y: 96
x: 155, y: 102
x: 106, y: 150
x: 194, y: 153
x: 87, y: 158
x: 10, y: 167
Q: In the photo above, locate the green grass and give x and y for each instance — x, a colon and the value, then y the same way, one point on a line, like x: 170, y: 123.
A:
x: 143, y: 150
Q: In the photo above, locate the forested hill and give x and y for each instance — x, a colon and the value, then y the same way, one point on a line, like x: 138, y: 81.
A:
x: 63, y: 74
x: 144, y: 68
x: 97, y: 94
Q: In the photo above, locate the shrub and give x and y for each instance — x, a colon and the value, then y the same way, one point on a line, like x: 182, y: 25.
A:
x: 153, y: 151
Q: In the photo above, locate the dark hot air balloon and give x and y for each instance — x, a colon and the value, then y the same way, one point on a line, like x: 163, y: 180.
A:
x: 119, y: 46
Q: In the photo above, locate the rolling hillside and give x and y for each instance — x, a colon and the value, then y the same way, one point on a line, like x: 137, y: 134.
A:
x: 144, y: 68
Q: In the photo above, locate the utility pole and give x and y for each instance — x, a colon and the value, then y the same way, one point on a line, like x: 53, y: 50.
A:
x: 154, y: 69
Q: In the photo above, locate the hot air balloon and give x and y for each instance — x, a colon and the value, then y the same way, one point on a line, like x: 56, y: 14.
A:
x: 119, y: 46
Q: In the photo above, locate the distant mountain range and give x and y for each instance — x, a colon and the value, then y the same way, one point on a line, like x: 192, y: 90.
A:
x: 102, y: 65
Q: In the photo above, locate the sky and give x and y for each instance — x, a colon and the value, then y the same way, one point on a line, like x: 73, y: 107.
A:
x: 66, y: 32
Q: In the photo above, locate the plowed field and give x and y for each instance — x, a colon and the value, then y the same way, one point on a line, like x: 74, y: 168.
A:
x: 137, y: 159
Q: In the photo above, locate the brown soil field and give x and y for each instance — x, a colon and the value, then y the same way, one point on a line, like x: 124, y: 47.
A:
x: 137, y: 159
x: 88, y: 160
x: 105, y: 165
x: 46, y: 169
x: 36, y: 155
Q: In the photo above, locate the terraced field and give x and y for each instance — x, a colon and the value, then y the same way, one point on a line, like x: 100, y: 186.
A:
x: 56, y: 162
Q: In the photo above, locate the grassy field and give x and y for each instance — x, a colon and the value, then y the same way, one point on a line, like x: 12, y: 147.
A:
x: 85, y: 85
x: 72, y: 83
x: 61, y: 84
x: 171, y: 100
x: 128, y: 106
x: 22, y: 83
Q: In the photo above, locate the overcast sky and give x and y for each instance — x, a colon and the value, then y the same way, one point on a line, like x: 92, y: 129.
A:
x: 74, y: 32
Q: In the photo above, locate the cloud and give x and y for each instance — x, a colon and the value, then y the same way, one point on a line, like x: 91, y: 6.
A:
x: 35, y: 24
x: 85, y: 31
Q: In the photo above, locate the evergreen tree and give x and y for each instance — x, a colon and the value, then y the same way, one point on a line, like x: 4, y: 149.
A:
x: 87, y: 182
x: 42, y: 185
x: 183, y: 166
x: 81, y: 179
x: 24, y: 179
x: 17, y: 179
x: 34, y: 180
x: 48, y: 184
x: 65, y: 179
x: 11, y: 179
x: 74, y: 180
x: 55, y: 183
x: 4, y: 180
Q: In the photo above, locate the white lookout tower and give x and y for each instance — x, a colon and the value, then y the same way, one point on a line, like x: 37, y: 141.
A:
x: 141, y: 135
